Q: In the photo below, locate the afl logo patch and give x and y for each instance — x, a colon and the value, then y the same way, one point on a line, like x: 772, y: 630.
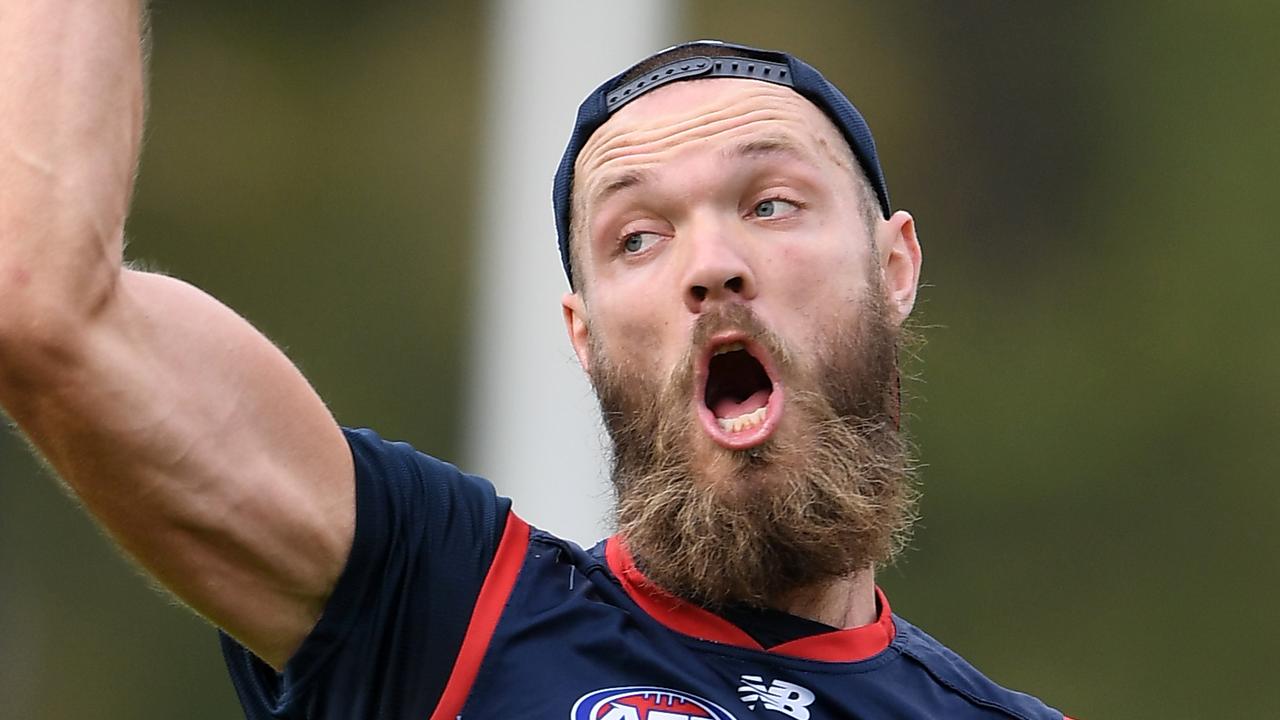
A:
x: 645, y: 703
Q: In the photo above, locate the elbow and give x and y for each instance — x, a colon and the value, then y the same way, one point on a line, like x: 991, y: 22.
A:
x: 34, y: 347
x: 41, y: 325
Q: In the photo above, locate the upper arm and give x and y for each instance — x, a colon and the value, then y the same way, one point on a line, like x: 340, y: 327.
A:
x: 203, y: 451
x: 426, y: 536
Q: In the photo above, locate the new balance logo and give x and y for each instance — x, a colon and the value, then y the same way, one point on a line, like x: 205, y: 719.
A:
x: 779, y: 696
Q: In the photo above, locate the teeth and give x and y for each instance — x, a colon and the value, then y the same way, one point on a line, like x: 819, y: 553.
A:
x: 743, y: 422
x: 731, y: 347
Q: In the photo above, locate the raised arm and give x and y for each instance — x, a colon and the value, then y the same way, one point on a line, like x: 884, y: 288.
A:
x: 187, y: 434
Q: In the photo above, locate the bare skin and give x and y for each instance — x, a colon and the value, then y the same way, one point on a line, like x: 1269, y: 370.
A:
x: 205, y: 453
x: 728, y: 191
x: 187, y: 434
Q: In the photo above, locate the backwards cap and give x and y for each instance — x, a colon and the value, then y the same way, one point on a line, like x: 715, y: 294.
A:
x: 742, y: 62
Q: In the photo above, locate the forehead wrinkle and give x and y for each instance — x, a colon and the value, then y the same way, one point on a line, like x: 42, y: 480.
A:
x: 651, y: 154
x: 708, y: 127
x: 675, y: 128
x: 640, y: 160
x: 826, y: 137
x: 664, y: 115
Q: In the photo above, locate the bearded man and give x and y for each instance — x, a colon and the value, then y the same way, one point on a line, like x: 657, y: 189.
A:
x: 739, y: 287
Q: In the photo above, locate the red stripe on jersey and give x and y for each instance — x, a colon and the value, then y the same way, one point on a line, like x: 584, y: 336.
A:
x: 498, y: 582
x: 847, y: 645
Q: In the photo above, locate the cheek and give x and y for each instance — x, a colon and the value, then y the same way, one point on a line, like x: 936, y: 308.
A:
x: 638, y: 332
x: 817, y: 286
x: 812, y: 276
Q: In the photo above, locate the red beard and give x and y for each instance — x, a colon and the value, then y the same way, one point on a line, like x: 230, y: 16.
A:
x: 828, y: 494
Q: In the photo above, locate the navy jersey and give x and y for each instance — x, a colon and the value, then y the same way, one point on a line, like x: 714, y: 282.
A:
x: 453, y: 607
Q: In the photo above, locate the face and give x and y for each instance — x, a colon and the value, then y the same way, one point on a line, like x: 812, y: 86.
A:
x: 737, y: 316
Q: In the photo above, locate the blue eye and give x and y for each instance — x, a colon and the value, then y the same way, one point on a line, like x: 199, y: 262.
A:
x: 773, y: 207
x: 637, y: 241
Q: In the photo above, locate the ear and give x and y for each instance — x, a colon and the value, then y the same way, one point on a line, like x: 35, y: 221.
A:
x: 899, y: 255
x: 575, y: 323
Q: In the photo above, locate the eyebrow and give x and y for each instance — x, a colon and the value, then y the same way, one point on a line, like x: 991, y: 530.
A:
x: 615, y: 185
x: 769, y: 146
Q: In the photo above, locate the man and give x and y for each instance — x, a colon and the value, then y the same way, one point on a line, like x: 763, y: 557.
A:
x: 738, y: 287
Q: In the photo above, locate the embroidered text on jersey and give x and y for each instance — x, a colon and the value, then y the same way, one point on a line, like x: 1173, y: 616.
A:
x: 779, y: 696
x: 645, y: 703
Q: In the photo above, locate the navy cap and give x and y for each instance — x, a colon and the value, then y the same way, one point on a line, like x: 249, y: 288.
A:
x: 743, y: 62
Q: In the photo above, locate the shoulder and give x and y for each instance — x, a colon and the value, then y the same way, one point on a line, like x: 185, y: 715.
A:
x: 394, y: 480
x: 398, y: 460
x: 955, y: 673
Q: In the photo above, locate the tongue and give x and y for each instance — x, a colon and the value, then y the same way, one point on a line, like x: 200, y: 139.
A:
x: 727, y: 407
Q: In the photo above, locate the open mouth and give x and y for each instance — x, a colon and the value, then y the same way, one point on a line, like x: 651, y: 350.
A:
x: 741, y: 400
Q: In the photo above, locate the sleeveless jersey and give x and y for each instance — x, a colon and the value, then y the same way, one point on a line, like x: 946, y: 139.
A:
x: 451, y: 607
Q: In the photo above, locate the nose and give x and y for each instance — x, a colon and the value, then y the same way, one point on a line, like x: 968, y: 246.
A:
x: 717, y: 270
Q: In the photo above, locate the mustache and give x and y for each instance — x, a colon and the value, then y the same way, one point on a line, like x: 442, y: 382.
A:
x: 733, y: 317
x: 614, y: 378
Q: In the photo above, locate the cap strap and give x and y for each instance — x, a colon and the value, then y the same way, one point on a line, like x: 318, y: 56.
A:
x: 738, y: 67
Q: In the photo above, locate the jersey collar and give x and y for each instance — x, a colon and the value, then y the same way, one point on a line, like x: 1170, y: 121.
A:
x: 847, y: 645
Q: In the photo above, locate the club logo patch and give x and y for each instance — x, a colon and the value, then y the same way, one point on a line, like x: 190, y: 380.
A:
x: 645, y: 703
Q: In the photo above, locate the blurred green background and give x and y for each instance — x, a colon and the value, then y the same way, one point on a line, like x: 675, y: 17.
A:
x: 1099, y: 394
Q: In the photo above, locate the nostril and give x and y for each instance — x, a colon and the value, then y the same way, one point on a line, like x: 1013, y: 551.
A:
x: 733, y: 284
x: 699, y: 293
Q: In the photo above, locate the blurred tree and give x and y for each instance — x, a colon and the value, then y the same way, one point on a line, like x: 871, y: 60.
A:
x: 1100, y: 386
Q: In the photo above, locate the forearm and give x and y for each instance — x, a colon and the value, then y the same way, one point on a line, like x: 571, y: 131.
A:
x: 71, y: 110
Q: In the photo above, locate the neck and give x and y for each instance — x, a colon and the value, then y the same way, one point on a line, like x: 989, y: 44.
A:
x: 843, y: 603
